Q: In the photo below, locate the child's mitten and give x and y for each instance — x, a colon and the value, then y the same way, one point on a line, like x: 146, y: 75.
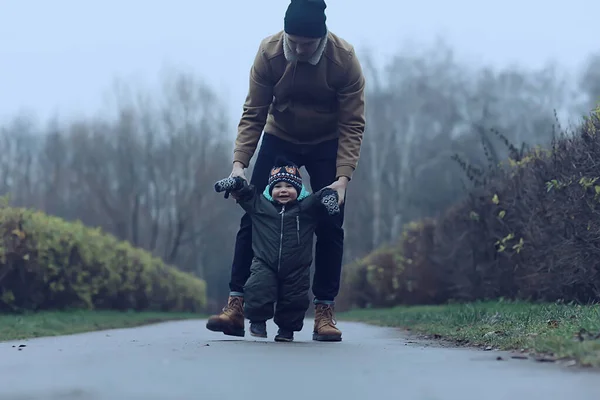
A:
x: 330, y: 201
x: 228, y: 185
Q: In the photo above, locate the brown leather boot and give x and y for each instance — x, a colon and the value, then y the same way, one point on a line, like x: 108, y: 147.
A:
x: 325, y: 330
x: 231, y: 320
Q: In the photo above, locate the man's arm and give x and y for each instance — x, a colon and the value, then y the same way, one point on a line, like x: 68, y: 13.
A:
x: 256, y: 108
x: 352, y: 119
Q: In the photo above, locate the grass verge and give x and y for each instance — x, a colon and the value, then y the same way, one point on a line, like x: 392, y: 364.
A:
x: 546, y: 331
x: 31, y: 325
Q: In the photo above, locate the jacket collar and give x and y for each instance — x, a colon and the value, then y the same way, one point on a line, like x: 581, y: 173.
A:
x: 314, y: 60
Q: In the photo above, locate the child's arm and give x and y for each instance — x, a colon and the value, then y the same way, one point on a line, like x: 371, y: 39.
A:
x: 244, y: 194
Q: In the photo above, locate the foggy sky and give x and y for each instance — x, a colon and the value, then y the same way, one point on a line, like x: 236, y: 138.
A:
x: 62, y: 55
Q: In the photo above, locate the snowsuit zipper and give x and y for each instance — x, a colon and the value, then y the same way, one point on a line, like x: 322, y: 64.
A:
x: 281, y: 236
x: 298, y: 228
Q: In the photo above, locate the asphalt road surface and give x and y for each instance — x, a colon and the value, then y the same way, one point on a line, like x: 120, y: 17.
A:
x: 183, y: 360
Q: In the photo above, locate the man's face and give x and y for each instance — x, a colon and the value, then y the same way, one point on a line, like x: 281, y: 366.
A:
x: 302, y: 47
x: 284, y: 192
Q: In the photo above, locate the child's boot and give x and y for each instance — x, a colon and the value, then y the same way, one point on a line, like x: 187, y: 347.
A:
x: 258, y: 329
x: 231, y: 320
x: 283, y: 335
x: 325, y: 329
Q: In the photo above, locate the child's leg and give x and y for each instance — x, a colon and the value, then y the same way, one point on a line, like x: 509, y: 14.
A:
x: 292, y: 301
x: 260, y: 294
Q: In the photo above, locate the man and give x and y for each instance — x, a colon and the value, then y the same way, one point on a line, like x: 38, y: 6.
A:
x: 307, y: 93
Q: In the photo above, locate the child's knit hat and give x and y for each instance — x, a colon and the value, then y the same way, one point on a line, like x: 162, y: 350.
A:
x: 287, y: 171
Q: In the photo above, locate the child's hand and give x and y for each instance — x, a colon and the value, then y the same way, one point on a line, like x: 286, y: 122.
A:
x: 340, y: 186
x: 228, y: 185
x: 330, y: 201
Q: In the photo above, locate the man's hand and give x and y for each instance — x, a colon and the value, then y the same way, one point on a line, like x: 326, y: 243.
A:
x: 238, y: 170
x: 340, y: 186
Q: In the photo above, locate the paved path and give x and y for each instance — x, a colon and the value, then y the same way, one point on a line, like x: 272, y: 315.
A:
x: 182, y: 360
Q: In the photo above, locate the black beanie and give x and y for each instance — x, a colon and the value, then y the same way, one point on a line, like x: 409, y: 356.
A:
x: 306, y: 18
x: 285, y: 171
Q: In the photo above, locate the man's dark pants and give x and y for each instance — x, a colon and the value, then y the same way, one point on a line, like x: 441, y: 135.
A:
x: 320, y: 163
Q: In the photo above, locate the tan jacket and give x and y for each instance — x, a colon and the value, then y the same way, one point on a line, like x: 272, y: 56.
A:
x: 304, y: 103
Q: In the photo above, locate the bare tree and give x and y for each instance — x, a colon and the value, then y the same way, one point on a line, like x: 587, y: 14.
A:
x: 589, y: 84
x: 145, y: 170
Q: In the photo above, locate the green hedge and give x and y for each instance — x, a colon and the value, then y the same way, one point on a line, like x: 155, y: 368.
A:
x: 373, y: 281
x: 48, y: 263
x: 386, y: 277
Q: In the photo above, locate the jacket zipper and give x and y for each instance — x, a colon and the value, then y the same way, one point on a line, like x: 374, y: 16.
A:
x: 281, y: 236
x: 298, y: 228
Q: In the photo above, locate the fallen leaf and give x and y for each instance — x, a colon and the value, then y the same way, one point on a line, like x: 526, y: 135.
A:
x: 519, y: 357
x: 545, y: 359
x: 552, y: 323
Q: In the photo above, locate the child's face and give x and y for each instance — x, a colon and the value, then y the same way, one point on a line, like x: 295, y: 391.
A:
x: 284, y: 192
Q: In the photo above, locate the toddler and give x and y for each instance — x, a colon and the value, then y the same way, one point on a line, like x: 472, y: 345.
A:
x: 284, y: 217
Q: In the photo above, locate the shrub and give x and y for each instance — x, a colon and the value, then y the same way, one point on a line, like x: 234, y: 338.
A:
x: 420, y: 282
x: 48, y: 263
x: 529, y: 230
x: 373, y: 281
x: 393, y: 274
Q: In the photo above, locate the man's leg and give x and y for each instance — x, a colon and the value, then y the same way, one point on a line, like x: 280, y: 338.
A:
x: 231, y: 320
x: 321, y: 166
